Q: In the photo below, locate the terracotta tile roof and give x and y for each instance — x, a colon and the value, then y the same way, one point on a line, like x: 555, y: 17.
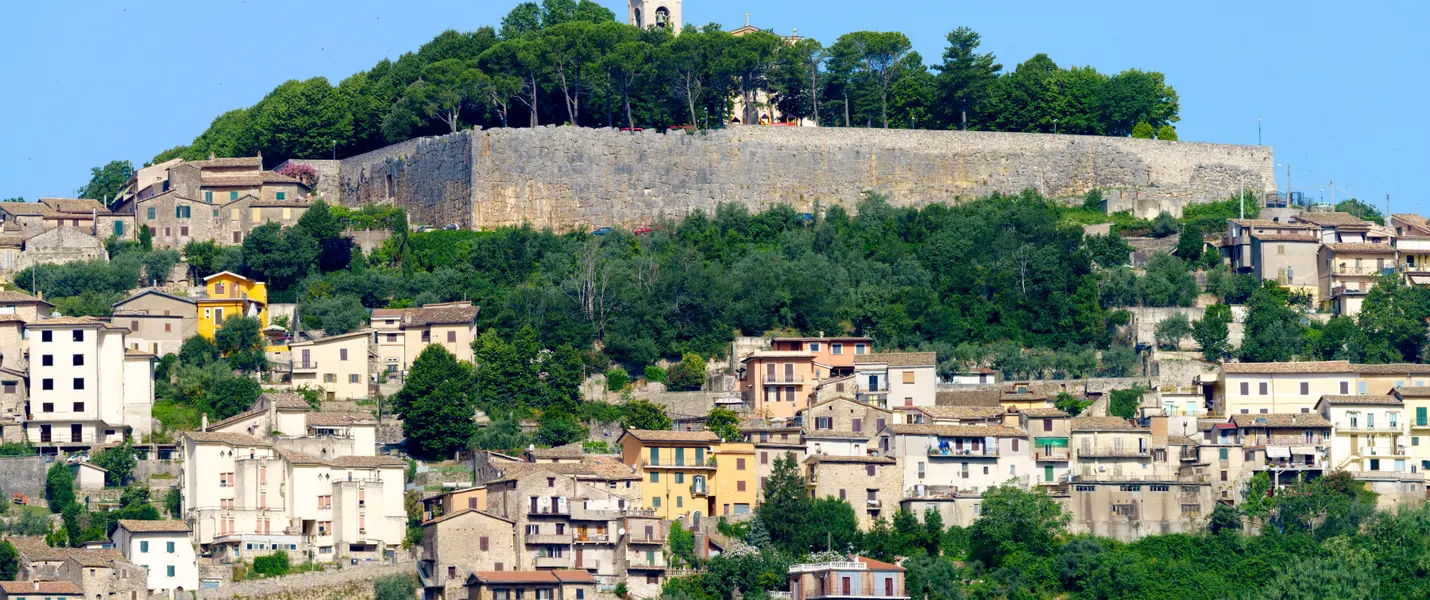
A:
x: 333, y: 338
x: 156, y: 293
x: 572, y: 450
x: 1270, y: 224
x: 1393, y: 369
x: 453, y: 515
x: 1181, y: 440
x: 68, y: 321
x: 1104, y: 424
x: 778, y: 354
x: 1286, y: 237
x: 845, y: 397
x: 573, y: 576
x: 286, y: 400
x: 863, y: 460
x: 1366, y: 399
x: 336, y: 418
x: 27, y: 209
x: 240, y: 161
x: 29, y: 588
x: 1360, y: 247
x: 763, y: 425
x: 431, y: 314
x: 962, y: 412
x: 34, y: 549
x: 957, y: 430
x: 83, y: 206
x: 562, y: 576
x: 1044, y: 413
x: 232, y: 439
x: 843, y: 338
x: 1330, y: 218
x: 1412, y: 391
x: 366, y: 462
x: 898, y: 359
x: 11, y: 317
x: 590, y: 467
x: 968, y: 398
x: 298, y: 458
x: 1280, y: 420
x: 153, y: 526
x: 655, y: 435
x: 1323, y: 366
x: 235, y: 419
x: 836, y: 434
x: 878, y: 565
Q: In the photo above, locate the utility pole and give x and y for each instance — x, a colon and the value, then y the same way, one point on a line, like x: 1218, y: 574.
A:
x: 1241, y: 196
x: 1258, y: 132
x: 1333, y: 194
x: 1288, y: 184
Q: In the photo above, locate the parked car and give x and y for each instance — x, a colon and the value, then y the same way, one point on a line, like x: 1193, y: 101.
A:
x: 601, y: 231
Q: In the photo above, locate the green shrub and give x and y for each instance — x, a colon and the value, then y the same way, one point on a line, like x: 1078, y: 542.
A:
x: 617, y: 379
x: 1143, y: 131
x: 1167, y: 133
x: 272, y: 565
x: 654, y: 373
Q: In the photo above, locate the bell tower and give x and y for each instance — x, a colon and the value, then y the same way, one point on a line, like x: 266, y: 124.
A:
x: 656, y: 13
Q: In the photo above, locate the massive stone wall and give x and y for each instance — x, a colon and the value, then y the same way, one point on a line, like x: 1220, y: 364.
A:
x: 23, y: 475
x: 577, y: 178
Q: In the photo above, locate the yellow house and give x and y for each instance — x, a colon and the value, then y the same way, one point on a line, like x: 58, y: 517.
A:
x: 688, y: 472
x: 229, y: 294
x: 1417, y: 411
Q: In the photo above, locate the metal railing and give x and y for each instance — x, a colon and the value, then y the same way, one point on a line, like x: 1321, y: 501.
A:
x: 1112, y: 452
x: 1365, y: 270
x: 1053, y: 455
x: 549, y: 510
x: 1383, y: 427
x: 307, y: 365
x: 675, y: 462
x: 784, y: 379
x: 952, y: 452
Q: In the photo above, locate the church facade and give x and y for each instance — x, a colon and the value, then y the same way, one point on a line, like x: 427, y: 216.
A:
x: 655, y: 13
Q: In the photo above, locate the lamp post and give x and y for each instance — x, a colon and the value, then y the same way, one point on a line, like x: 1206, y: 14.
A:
x: 1055, y: 126
x: 1288, y: 182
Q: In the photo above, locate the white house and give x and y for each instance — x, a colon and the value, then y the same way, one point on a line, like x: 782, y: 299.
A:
x: 905, y: 378
x: 85, y: 387
x: 162, y: 547
x: 1367, y: 432
x: 87, y: 475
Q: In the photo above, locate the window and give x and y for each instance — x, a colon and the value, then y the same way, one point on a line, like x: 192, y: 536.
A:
x: 47, y: 336
x: 150, y: 213
x: 482, y: 543
x: 908, y: 376
x: 836, y: 348
x: 209, y: 196
x: 182, y: 212
x: 1361, y: 387
x: 255, y: 215
x: 391, y: 337
x: 860, y: 349
x: 740, y: 486
x: 184, y: 231
x: 119, y: 228
x: 233, y: 195
x: 1345, y: 387
x: 47, y: 360
x: 342, y: 354
x: 451, y: 337
x: 354, y: 378
x: 330, y: 378
x: 79, y: 407
x: 168, y: 327
x: 77, y: 335
x: 814, y: 346
x: 764, y: 457
x: 78, y: 359
x: 655, y: 501
x: 869, y: 470
x: 79, y: 383
x: 287, y: 213
x: 1261, y: 388
x: 143, y: 546
x: 739, y: 464
x: 654, y: 477
x: 279, y: 196
x: 1245, y: 388
x: 1305, y: 388
x: 47, y: 384
x: 170, y: 568
x: 1222, y: 453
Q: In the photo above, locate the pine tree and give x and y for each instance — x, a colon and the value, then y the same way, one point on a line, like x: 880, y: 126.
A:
x: 787, y: 503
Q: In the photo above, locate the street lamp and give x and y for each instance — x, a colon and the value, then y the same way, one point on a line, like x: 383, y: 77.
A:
x: 1055, y: 126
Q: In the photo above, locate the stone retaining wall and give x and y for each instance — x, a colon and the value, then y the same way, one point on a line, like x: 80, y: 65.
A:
x: 571, y: 178
x: 352, y: 582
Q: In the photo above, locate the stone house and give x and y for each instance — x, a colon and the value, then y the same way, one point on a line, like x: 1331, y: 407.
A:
x: 770, y: 444
x: 400, y: 334
x: 970, y: 458
x: 219, y: 200
x: 13, y: 397
x: 1050, y: 433
x: 890, y: 379
x: 163, y: 549
x: 642, y: 554
x: 841, y: 426
x: 873, y: 485
x: 158, y: 322
x: 1349, y: 271
x: 1269, y: 249
x: 1289, y: 447
x: 336, y: 364
x: 567, y: 516
x: 462, y: 542
x: 561, y: 584
x: 952, y: 415
x: 59, y: 246
x: 28, y: 308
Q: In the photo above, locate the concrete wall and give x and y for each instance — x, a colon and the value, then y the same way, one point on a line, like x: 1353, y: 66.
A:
x: 578, y: 178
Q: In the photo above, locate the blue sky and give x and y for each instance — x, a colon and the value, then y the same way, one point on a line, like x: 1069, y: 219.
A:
x: 1338, y: 86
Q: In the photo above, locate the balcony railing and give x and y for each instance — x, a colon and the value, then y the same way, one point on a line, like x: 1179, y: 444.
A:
x: 1365, y: 270
x: 697, y: 490
x: 641, y: 561
x: 549, y: 538
x: 548, y: 510
x: 1378, y: 427
x: 641, y: 538
x: 882, y: 386
x: 1055, y: 455
x: 593, y: 538
x: 706, y: 463
x: 784, y: 379
x: 553, y: 562
x: 1341, y: 290
x: 305, y: 365
x: 1112, y: 452
x: 954, y: 452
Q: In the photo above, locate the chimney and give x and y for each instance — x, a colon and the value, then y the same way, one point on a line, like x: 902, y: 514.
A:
x: 204, y: 422
x: 211, y: 155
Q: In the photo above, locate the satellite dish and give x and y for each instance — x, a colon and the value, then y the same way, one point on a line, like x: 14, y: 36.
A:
x: 621, y: 531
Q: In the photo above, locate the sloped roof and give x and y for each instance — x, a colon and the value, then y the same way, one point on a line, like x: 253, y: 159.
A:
x: 1412, y: 391
x: 898, y: 359
x: 962, y: 412
x: 572, y: 450
x: 286, y: 400
x: 339, y: 418
x: 1330, y: 218
x: 957, y: 430
x: 968, y: 398
x: 153, y: 526
x: 156, y: 293
x: 1044, y: 413
x: 366, y: 462
x: 878, y: 565
x: 1362, y: 399
x: 246, y: 179
x: 75, y: 205
x: 1393, y: 369
x: 232, y: 439
x: 448, y: 313
x: 656, y: 435
x: 1104, y: 424
x: 17, y: 296
x: 15, y: 589
x: 452, y: 515
x: 1319, y: 366
x: 238, y: 161
x: 1281, y: 420
x: 1353, y: 247
x: 830, y: 458
x: 248, y: 414
x: 68, y: 322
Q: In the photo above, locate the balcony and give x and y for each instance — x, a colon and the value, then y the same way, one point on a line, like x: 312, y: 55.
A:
x: 784, y: 379
x: 679, y: 463
x: 1363, y: 427
x: 1281, y: 464
x: 1192, y: 456
x: 1365, y: 270
x: 563, y: 539
x: 658, y: 538
x: 1052, y: 456
x: 882, y: 386
x: 553, y: 562
x: 1113, y: 453
x: 593, y: 538
x: 963, y: 453
x: 697, y: 490
x: 1341, y: 290
x: 536, y: 511
x: 579, y: 512
x: 305, y: 365
x: 646, y: 563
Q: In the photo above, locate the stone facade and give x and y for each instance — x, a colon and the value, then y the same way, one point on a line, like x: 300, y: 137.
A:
x: 873, y: 485
x: 570, y: 178
x: 60, y: 245
x: 457, y: 544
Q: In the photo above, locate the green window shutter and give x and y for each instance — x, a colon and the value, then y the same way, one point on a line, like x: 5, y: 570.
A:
x: 655, y: 456
x: 1223, y: 453
x: 280, y: 195
x: 680, y: 457
x: 655, y: 476
x: 233, y: 195
x: 119, y: 228
x: 209, y: 197
x: 1420, y: 415
x: 699, y: 456
x: 151, y: 213
x: 178, y: 212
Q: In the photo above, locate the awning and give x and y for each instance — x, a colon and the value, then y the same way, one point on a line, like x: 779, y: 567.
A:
x: 1278, y: 452
x: 1304, y: 451
x: 1057, y: 442
x: 1418, y: 279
